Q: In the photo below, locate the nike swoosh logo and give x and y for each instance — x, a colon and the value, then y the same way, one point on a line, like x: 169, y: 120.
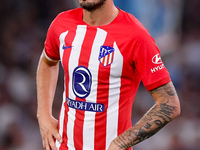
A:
x: 66, y: 47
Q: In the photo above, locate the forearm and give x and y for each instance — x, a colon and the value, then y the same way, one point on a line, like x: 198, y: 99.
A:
x: 151, y: 123
x: 165, y: 110
x: 47, y: 75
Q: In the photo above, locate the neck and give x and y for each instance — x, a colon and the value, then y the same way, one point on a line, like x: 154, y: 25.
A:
x: 101, y: 16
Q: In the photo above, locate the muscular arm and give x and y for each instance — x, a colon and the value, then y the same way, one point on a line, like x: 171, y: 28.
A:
x: 47, y: 75
x: 167, y: 108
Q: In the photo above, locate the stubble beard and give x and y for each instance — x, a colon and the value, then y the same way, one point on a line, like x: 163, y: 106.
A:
x: 91, y: 6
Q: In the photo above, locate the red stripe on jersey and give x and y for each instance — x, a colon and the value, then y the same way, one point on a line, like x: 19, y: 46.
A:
x: 126, y: 99
x: 65, y: 61
x: 100, y: 118
x: 103, y: 61
x: 102, y: 94
x: 83, y: 61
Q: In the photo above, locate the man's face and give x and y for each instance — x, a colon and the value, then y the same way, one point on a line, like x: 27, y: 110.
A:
x: 91, y: 5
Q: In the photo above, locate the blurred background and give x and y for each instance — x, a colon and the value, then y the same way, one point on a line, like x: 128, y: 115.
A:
x: 175, y: 26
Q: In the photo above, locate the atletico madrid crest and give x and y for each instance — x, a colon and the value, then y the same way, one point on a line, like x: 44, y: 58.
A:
x: 106, y: 55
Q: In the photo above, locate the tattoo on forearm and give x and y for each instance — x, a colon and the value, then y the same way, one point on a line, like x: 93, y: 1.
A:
x: 147, y: 125
x: 151, y: 123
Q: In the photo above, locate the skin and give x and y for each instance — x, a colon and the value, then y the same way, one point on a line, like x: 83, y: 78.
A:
x: 91, y: 6
x: 166, y: 108
x: 47, y: 75
x: 102, y: 15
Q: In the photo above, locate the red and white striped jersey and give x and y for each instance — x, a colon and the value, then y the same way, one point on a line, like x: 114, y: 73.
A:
x: 103, y: 67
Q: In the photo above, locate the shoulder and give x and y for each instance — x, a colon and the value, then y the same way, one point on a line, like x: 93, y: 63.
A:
x: 130, y: 25
x: 130, y: 19
x: 69, y: 15
x: 65, y: 20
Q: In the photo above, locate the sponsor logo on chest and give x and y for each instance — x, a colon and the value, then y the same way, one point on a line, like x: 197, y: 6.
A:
x: 85, y: 106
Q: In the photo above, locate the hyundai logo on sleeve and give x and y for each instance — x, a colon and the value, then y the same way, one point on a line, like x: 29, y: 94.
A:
x: 157, y: 59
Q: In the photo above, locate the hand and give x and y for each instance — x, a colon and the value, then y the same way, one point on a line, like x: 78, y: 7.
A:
x: 49, y: 132
x: 114, y: 146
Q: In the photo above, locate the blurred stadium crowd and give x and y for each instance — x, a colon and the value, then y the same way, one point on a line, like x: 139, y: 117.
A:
x: 175, y: 26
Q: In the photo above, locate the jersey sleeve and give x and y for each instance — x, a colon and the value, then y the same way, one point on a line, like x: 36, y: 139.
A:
x: 149, y: 63
x: 51, y: 45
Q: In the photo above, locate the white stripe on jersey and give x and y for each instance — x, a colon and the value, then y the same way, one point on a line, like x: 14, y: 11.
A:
x: 62, y: 42
x: 110, y: 57
x: 62, y: 111
x: 73, y: 62
x: 113, y: 101
x: 61, y: 120
x: 89, y: 120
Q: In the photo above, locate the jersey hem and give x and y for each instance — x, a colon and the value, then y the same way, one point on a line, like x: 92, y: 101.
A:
x: 158, y: 83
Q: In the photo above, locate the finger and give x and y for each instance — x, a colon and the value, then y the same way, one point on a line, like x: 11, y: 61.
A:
x: 47, y: 147
x: 58, y: 137
x: 43, y: 142
x: 52, y: 143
